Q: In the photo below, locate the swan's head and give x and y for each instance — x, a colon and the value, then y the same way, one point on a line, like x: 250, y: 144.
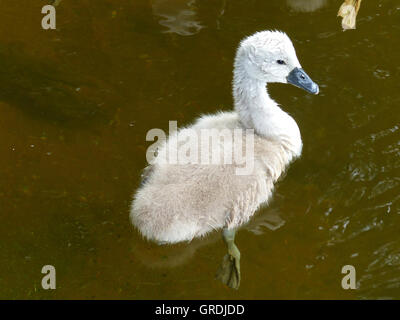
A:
x: 269, y: 56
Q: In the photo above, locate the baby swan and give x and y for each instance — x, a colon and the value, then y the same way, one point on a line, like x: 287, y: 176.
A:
x: 179, y: 201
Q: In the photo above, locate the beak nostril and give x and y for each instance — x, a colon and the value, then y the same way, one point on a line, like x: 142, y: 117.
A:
x: 299, y: 78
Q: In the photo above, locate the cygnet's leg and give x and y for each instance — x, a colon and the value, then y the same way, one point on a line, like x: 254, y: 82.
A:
x: 229, y: 271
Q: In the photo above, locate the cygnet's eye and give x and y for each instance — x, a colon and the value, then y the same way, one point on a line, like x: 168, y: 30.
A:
x: 280, y: 62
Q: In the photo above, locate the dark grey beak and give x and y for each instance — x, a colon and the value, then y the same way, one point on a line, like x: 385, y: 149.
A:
x: 300, y: 78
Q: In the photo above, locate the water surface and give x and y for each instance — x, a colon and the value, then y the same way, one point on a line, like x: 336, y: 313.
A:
x: 76, y: 104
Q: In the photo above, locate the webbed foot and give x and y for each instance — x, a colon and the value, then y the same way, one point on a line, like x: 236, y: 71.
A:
x: 229, y: 270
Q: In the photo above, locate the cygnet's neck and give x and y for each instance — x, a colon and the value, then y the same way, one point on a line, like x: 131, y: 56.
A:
x: 259, y: 112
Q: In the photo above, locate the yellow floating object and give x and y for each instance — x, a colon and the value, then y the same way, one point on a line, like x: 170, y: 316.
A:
x: 348, y: 11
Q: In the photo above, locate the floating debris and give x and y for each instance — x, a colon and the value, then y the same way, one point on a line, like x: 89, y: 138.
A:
x: 55, y: 3
x: 348, y: 11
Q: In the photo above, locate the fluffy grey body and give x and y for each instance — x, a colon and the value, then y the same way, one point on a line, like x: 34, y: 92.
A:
x: 178, y: 202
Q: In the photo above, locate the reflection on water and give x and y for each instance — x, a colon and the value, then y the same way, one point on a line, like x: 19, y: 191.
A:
x: 178, y: 16
x: 169, y: 256
x: 306, y: 5
x: 76, y: 105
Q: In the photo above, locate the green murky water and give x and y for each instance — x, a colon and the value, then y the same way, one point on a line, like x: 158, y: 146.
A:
x: 75, y: 106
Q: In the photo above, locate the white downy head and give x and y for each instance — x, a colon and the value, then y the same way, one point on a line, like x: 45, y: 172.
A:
x: 269, y: 56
